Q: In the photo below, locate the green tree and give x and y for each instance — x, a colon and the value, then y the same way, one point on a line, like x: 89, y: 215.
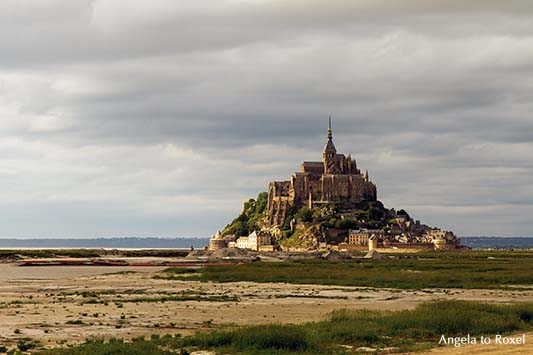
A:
x: 304, y: 214
x: 375, y: 213
x: 404, y: 213
x: 346, y: 223
x: 248, y: 220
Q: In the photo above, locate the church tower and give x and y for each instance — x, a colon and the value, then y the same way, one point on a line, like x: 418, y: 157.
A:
x: 329, y: 155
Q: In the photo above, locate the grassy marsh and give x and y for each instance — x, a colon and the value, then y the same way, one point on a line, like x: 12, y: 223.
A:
x: 471, y: 269
x: 341, y: 333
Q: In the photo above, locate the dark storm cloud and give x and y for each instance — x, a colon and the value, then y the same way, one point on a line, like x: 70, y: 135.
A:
x: 165, y: 109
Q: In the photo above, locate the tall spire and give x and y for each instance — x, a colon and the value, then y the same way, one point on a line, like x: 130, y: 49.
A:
x: 330, y: 134
x: 329, y: 145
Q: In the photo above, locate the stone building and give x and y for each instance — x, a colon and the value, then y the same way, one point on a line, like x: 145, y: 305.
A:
x: 255, y: 241
x: 361, y: 236
x: 217, y: 241
x: 335, y: 179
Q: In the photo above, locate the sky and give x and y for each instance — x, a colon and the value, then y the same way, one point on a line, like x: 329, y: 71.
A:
x: 159, y: 118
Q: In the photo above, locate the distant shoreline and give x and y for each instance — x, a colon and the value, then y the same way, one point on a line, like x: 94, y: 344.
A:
x: 139, y: 243
x: 91, y: 248
x: 522, y: 243
x: 104, y: 243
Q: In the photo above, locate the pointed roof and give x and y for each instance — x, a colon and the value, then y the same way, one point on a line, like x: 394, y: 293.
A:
x: 330, y: 135
x: 329, y: 145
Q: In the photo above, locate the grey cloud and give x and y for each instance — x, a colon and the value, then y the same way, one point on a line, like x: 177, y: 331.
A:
x: 167, y: 111
x: 66, y: 31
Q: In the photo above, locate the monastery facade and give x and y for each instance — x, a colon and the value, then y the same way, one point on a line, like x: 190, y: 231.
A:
x: 335, y: 179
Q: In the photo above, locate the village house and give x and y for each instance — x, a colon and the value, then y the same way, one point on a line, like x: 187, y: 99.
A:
x: 257, y: 241
x: 361, y: 236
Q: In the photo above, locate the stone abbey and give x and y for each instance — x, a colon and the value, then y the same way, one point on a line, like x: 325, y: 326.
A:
x: 334, y: 180
x: 328, y: 204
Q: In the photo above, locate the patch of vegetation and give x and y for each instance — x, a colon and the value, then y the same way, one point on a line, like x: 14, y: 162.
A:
x: 174, y: 273
x: 184, y: 296
x: 210, y: 298
x: 27, y: 344
x: 303, y: 237
x: 138, y: 346
x: 472, y: 269
x: 273, y: 337
x: 407, y: 330
x: 304, y: 214
x: 312, y: 296
x: 122, y: 273
x: 250, y: 217
x: 181, y: 270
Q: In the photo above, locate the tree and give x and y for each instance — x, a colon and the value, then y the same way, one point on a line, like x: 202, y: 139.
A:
x: 346, y: 223
x: 236, y: 228
x: 375, y: 214
x: 404, y: 213
x: 248, y: 220
x: 304, y: 214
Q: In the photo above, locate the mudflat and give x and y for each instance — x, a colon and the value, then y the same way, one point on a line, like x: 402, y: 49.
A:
x: 10, y: 272
x: 68, y: 304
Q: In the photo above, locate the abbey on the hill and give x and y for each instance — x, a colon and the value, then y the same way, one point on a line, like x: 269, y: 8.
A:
x: 336, y: 179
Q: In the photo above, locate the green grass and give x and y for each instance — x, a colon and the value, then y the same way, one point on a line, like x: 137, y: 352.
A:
x: 430, y: 270
x: 114, y: 347
x: 407, y: 330
x: 170, y: 273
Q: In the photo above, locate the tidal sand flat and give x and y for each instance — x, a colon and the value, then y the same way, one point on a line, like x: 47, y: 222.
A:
x: 10, y: 272
x: 51, y: 307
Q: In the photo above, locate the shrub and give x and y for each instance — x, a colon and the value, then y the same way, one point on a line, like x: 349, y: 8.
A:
x: 346, y: 223
x: 375, y: 213
x: 247, y: 221
x: 304, y: 214
x: 25, y: 346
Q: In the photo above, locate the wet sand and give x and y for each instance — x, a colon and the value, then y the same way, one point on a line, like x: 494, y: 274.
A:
x: 14, y: 272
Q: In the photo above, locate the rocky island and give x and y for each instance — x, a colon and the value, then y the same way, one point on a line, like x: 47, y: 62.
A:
x: 328, y: 204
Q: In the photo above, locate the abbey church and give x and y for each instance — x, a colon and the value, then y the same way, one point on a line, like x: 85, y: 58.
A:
x: 334, y: 180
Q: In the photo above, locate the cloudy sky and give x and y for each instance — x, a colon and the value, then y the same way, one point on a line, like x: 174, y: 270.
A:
x: 159, y: 118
